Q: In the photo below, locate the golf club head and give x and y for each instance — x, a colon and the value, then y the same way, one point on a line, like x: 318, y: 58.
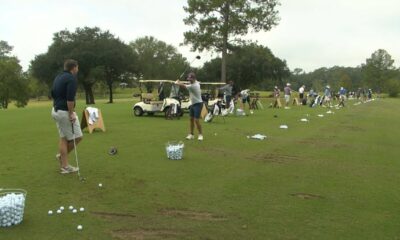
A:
x: 112, y: 151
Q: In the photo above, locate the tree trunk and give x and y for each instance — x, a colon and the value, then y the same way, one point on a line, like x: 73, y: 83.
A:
x: 223, y: 64
x: 225, y: 41
x: 111, y: 93
x: 89, y: 94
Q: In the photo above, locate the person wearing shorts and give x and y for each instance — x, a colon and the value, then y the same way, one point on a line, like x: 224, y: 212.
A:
x: 63, y: 112
x: 327, y: 96
x: 245, y: 96
x: 287, y: 90
x: 196, y: 107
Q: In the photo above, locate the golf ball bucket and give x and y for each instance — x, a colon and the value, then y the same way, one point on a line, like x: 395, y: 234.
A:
x: 12, y: 205
x: 174, y: 150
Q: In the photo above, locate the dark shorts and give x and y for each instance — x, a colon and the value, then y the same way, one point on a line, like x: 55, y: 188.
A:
x: 247, y: 99
x: 195, y: 110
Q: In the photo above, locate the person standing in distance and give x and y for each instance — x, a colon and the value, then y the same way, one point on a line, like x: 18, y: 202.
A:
x: 63, y: 93
x: 227, y: 90
x: 288, y: 92
x: 196, y: 107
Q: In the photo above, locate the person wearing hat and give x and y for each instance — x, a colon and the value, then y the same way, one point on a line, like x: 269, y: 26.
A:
x: 277, y: 93
x: 196, y: 107
x: 342, y: 96
x: 287, y: 90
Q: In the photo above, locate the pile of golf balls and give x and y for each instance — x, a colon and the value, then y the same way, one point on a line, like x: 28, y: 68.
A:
x: 71, y: 209
x: 175, y: 150
x: 11, y: 209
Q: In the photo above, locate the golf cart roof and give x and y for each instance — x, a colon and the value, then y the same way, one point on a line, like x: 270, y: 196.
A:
x: 156, y: 81
x: 212, y: 83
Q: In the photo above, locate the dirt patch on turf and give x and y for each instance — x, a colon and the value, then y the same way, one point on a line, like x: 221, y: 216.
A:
x: 321, y: 142
x: 352, y: 128
x: 273, y: 158
x: 218, y: 151
x: 141, y: 234
x: 138, y: 183
x: 112, y: 215
x: 306, y: 196
x: 194, y: 215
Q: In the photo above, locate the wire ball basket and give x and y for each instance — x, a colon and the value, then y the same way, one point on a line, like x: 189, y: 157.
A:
x: 12, y: 205
x: 174, y: 150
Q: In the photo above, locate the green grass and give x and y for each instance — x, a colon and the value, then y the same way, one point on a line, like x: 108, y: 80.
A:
x: 227, y: 187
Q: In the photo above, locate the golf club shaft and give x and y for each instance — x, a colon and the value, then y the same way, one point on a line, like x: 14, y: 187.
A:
x: 183, y: 73
x: 76, y: 152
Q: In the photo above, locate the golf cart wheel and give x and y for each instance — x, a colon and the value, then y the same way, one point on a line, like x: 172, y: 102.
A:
x: 180, y: 112
x: 138, y: 111
x: 167, y: 113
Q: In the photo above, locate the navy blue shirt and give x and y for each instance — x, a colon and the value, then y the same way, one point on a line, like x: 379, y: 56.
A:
x: 63, y: 90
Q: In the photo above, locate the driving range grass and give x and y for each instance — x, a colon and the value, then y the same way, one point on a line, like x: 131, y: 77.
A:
x: 335, y: 177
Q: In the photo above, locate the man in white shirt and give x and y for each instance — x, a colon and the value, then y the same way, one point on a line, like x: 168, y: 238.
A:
x: 196, y: 107
x: 301, y: 92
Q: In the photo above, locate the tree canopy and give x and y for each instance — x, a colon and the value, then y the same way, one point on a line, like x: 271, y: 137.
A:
x: 94, y: 49
x: 252, y: 65
x: 378, y: 69
x: 218, y: 24
x: 13, y: 84
x: 157, y: 59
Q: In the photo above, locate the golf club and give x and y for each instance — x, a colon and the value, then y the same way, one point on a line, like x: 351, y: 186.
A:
x: 76, y: 155
x: 197, y: 57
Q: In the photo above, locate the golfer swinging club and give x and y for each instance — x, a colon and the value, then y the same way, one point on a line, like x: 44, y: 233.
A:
x: 197, y: 104
x: 63, y: 93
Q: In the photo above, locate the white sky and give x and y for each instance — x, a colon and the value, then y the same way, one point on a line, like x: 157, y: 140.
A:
x: 311, y: 34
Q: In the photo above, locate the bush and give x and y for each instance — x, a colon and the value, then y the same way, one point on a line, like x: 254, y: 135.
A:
x: 393, y: 87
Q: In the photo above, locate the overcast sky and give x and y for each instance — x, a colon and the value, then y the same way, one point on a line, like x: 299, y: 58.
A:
x: 311, y: 33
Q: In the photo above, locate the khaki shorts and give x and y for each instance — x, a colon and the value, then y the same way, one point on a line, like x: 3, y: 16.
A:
x: 64, y: 125
x: 287, y: 98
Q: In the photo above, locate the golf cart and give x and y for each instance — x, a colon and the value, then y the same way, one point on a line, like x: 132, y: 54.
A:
x: 208, y: 95
x: 151, y: 103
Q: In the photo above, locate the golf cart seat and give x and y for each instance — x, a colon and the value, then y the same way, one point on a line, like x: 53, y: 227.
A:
x: 149, y: 98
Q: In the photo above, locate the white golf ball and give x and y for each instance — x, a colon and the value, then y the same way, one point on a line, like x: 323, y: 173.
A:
x: 74, y: 211
x: 58, y: 211
x: 62, y: 208
x: 50, y: 212
x: 71, y: 207
x: 79, y: 227
x: 100, y: 185
x: 82, y: 209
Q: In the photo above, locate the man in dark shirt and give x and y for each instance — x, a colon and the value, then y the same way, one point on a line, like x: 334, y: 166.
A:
x: 63, y: 112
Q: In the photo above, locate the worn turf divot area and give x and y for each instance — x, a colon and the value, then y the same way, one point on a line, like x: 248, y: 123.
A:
x: 194, y: 215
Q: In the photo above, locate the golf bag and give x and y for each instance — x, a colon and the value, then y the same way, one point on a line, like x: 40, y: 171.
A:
x: 231, y: 108
x: 215, y: 111
x: 174, y: 111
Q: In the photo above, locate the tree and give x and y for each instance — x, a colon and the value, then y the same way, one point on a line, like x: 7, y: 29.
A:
x: 12, y: 81
x: 116, y: 59
x: 252, y: 65
x: 378, y: 69
x: 94, y: 49
x: 13, y: 85
x: 219, y: 23
x: 156, y: 59
x: 5, y: 49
